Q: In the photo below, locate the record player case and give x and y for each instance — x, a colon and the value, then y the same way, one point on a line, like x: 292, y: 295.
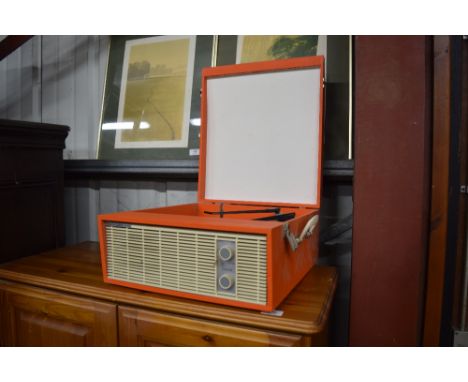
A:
x: 253, y: 235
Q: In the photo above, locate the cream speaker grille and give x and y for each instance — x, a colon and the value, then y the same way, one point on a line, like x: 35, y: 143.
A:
x: 186, y: 260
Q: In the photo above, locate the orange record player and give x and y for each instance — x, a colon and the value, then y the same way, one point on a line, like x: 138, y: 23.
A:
x: 253, y: 235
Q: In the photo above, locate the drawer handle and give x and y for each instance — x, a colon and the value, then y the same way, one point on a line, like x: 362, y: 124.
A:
x: 208, y: 338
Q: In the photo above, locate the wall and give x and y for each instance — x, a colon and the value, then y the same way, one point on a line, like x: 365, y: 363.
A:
x: 60, y: 79
x: 85, y: 199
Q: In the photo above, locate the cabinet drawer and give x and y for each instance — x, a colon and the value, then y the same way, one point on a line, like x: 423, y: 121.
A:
x: 139, y: 327
x: 38, y: 317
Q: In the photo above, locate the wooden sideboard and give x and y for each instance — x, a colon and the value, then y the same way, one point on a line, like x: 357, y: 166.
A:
x: 58, y: 298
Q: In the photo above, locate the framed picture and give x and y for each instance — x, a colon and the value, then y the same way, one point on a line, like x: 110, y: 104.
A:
x: 338, y: 120
x: 151, y: 103
x: 255, y: 48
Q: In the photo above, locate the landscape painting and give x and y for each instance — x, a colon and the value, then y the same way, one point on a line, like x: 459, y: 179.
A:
x: 155, y: 93
x: 256, y: 48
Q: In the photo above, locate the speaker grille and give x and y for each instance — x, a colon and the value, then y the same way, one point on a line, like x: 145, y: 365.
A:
x: 184, y: 260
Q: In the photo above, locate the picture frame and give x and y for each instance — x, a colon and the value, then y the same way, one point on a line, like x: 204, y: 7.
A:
x: 254, y: 48
x: 217, y: 51
x: 151, y: 103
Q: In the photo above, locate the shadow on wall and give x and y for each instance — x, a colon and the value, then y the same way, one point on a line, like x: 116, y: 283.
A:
x: 335, y: 250
x: 34, y: 70
x: 85, y: 199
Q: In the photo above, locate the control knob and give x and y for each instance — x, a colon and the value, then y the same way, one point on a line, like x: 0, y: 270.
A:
x: 226, y: 281
x: 226, y: 253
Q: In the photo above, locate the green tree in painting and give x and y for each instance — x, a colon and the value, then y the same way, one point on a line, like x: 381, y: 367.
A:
x: 138, y: 70
x: 294, y: 46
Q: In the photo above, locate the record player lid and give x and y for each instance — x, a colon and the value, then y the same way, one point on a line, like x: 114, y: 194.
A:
x: 261, y: 134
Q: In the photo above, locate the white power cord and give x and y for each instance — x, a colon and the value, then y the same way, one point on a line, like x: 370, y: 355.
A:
x: 309, y: 228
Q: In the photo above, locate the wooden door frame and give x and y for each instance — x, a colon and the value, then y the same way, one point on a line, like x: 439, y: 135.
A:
x: 443, y: 279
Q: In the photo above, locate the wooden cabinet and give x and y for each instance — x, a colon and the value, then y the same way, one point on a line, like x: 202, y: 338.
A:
x: 31, y: 188
x: 138, y: 327
x: 38, y: 317
x: 58, y: 298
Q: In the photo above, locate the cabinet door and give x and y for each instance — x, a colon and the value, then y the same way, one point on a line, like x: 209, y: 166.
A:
x: 38, y: 317
x: 138, y: 327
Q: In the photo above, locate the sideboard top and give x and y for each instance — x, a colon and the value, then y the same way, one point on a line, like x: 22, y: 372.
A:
x: 77, y: 269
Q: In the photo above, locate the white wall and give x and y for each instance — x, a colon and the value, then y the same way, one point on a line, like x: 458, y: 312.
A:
x: 60, y: 79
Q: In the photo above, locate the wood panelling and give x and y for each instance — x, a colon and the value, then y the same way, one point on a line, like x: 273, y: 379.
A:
x: 58, y: 79
x: 84, y: 200
x: 20, y: 73
x: 139, y: 327
x: 12, y: 84
x: 38, y: 317
x: 391, y: 189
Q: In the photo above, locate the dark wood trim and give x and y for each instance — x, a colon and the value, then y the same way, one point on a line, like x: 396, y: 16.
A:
x: 440, y: 189
x: 10, y: 43
x: 461, y: 272
x: 392, y: 101
x: 31, y: 188
x: 446, y: 329
x: 124, y: 169
x: 334, y: 170
x: 32, y: 134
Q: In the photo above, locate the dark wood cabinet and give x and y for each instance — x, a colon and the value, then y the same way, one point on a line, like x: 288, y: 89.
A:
x: 58, y: 298
x: 31, y: 188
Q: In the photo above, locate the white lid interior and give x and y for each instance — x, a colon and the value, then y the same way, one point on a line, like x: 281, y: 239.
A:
x: 262, y: 141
